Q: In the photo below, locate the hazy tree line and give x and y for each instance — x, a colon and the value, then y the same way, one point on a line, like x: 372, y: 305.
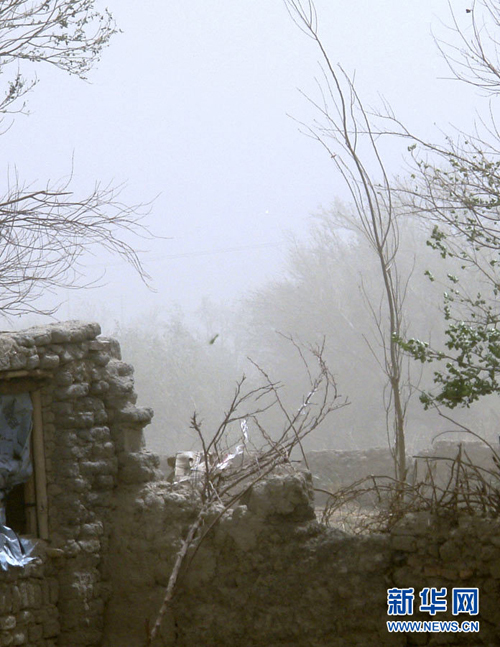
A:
x: 321, y: 295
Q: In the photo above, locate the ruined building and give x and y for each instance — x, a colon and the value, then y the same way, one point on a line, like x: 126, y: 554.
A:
x: 109, y: 527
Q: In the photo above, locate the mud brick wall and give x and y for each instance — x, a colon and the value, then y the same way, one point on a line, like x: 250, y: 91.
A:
x: 335, y: 469
x: 271, y: 575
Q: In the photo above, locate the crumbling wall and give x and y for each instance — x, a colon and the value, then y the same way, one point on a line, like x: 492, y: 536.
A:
x: 270, y: 575
x: 93, y: 443
x: 267, y: 575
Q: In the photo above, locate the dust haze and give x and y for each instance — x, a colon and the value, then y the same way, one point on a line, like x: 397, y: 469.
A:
x: 196, y: 110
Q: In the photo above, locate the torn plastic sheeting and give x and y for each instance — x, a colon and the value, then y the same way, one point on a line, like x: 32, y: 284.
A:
x: 189, y: 466
x: 244, y: 430
x: 229, y: 458
x: 240, y: 449
x: 14, y: 550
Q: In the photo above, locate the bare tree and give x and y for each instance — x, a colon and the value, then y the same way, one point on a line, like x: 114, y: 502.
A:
x: 346, y: 133
x: 456, y: 184
x: 44, y: 231
x: 474, y: 58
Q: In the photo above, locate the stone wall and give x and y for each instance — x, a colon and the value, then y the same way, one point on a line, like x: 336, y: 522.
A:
x: 93, y: 445
x: 28, y: 606
x: 334, y: 469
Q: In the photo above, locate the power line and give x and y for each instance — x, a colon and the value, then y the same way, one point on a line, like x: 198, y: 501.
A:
x: 221, y: 250
x: 148, y: 260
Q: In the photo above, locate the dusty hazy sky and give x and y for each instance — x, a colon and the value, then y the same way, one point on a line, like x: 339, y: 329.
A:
x: 190, y: 103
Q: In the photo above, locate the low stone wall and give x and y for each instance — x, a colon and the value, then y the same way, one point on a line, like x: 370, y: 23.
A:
x: 335, y: 469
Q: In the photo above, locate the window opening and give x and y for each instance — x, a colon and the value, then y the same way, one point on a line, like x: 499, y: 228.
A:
x: 23, y: 486
x: 24, y: 505
x: 16, y: 470
x: 15, y: 509
x: 16, y: 424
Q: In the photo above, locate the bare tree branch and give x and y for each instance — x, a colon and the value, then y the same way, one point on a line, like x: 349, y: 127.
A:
x: 475, y: 59
x: 227, y: 470
x: 44, y: 234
